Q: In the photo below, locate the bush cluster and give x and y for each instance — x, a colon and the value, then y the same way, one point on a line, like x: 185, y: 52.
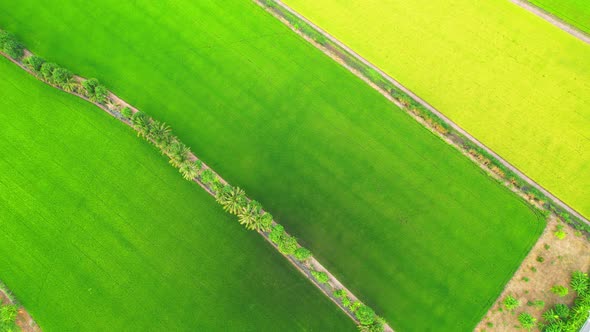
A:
x: 563, y: 318
x: 10, y: 45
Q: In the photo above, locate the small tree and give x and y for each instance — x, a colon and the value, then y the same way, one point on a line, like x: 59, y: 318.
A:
x: 339, y: 293
x: 560, y: 290
x: 302, y: 254
x: 61, y: 76
x: 287, y: 245
x: 527, y: 321
x: 100, y: 94
x: 207, y: 176
x: 34, y: 63
x: 276, y: 234
x: 89, y: 86
x: 126, y: 112
x: 11, y: 46
x: 47, y: 71
x: 264, y: 222
x: 511, y: 303
x: 365, y: 315
x: 321, y: 277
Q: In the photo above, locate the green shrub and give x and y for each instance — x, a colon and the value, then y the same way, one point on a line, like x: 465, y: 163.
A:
x: 365, y: 315
x: 8, y: 314
x: 511, y: 303
x: 527, y: 321
x: 339, y: 293
x: 265, y: 222
x: 540, y: 259
x: 127, y: 113
x: 562, y: 311
x: 34, y: 63
x: 560, y: 233
x: 580, y: 282
x: 321, y: 277
x: 276, y: 234
x: 377, y: 326
x: 287, y: 244
x: 355, y: 306
x: 207, y: 176
x: 560, y: 290
x: 302, y: 254
x: 346, y: 301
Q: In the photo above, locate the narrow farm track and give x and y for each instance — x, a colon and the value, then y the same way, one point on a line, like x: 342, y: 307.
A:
x: 305, y: 268
x: 421, y: 101
x: 553, y: 20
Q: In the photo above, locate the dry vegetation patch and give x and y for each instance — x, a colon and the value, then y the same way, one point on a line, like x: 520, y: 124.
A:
x: 550, y: 262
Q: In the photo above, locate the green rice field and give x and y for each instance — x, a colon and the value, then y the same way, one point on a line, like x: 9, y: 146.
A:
x: 574, y: 12
x: 511, y: 79
x: 98, y: 233
x: 402, y: 219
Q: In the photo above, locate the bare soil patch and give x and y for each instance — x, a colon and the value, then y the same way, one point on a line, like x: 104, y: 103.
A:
x: 534, y: 279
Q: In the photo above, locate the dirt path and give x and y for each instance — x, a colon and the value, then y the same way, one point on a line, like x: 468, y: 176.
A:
x: 305, y: 268
x: 411, y: 94
x: 553, y: 20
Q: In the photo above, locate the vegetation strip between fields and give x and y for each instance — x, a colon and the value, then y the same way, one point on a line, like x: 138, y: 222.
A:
x: 572, y: 30
x: 233, y: 199
x: 434, y: 120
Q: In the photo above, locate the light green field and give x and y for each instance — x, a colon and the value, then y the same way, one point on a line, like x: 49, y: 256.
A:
x: 99, y: 233
x: 574, y: 12
x: 508, y: 77
x: 400, y: 217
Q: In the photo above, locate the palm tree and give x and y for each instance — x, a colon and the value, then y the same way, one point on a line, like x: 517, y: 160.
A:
x: 141, y: 122
x: 189, y: 170
x: 232, y: 199
x: 249, y: 216
x: 160, y: 132
x: 178, y: 153
x: 70, y: 86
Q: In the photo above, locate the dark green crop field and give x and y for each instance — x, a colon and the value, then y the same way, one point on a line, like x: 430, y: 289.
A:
x: 405, y: 221
x: 98, y: 233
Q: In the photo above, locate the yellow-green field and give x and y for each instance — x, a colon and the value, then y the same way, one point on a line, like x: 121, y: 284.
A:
x: 511, y: 79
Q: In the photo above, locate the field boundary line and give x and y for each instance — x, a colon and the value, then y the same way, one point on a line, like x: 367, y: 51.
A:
x: 341, y: 58
x: 112, y: 107
x: 553, y: 19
